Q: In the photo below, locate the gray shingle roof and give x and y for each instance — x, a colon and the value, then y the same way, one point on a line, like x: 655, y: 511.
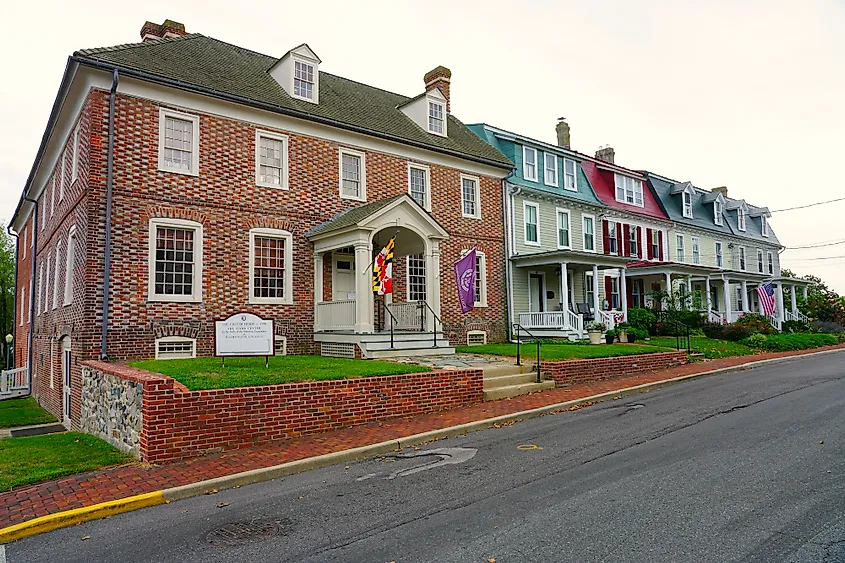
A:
x: 352, y: 216
x: 212, y: 65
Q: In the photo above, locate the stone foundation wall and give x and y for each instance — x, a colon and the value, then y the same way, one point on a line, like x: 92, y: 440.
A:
x: 584, y: 371
x: 112, y: 409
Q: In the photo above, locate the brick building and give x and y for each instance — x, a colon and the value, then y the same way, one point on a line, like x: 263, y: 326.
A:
x: 183, y: 179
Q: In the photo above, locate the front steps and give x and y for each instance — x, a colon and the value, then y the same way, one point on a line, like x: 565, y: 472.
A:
x: 503, y: 382
x: 377, y: 345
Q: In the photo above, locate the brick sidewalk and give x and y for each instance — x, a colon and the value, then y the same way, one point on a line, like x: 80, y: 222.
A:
x: 29, y: 502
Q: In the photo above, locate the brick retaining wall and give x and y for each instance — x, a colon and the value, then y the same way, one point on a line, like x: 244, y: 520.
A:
x: 581, y: 371
x: 178, y: 423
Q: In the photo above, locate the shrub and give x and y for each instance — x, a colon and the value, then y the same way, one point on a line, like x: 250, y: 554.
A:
x: 756, y: 324
x: 596, y: 326
x: 757, y: 340
x: 788, y: 342
x: 640, y: 334
x: 713, y: 330
x: 735, y: 332
x: 826, y: 326
x: 794, y: 326
x: 840, y: 336
x: 642, y: 319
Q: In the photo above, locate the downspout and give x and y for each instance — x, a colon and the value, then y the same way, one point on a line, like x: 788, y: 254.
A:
x: 32, y: 288
x: 14, y: 290
x: 508, y: 246
x: 107, y: 257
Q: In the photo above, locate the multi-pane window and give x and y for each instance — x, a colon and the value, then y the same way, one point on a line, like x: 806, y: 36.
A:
x: 435, y: 117
x: 717, y: 212
x: 532, y: 235
x: 352, y: 182
x: 47, y: 287
x: 174, y: 347
x: 178, y: 143
x: 764, y: 226
x: 696, y: 251
x: 272, y: 154
x: 69, y: 263
x: 22, y: 301
x: 687, y: 205
x: 529, y: 163
x: 418, y: 185
x: 416, y: 277
x: 303, y: 80
x: 633, y: 247
x: 719, y: 260
x: 469, y: 197
x: 615, y: 302
x: 56, y: 276
x: 612, y: 247
x: 569, y: 181
x: 563, y: 228
x: 740, y: 218
x: 589, y: 233
x: 268, y: 268
x: 174, y: 261
x: 655, y: 245
x: 629, y: 190
x: 759, y: 261
x: 550, y: 169
x: 589, y: 290
x: 75, y: 166
x: 771, y: 262
x: 480, y: 279
x: 681, y: 251
x: 742, y: 258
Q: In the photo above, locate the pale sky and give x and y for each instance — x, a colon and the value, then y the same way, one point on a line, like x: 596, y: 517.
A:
x: 747, y: 94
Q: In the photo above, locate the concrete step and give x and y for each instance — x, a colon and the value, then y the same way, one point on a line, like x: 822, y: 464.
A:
x: 504, y: 369
x: 399, y: 335
x: 509, y: 380
x: 407, y: 344
x: 516, y: 390
x: 400, y: 352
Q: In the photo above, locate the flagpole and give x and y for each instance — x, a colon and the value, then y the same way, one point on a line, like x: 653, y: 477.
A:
x: 374, y: 259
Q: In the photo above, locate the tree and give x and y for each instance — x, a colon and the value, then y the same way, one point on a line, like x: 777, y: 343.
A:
x: 7, y: 287
x: 822, y: 303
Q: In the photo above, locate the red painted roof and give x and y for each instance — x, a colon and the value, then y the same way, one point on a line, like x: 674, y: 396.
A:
x: 649, y: 263
x: 605, y: 187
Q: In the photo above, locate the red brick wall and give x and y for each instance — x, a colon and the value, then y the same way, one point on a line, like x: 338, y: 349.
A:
x: 180, y: 424
x: 580, y: 371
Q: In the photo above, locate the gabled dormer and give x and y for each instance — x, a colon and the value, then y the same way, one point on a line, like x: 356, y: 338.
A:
x: 298, y: 73
x: 687, y: 193
x: 741, y: 213
x: 718, y: 201
x: 430, y: 109
x: 763, y: 214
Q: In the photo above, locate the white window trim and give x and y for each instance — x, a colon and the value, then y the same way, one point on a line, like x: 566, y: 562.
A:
x: 315, y: 90
x: 563, y: 169
x: 442, y: 105
x: 741, y: 224
x: 525, y: 175
x: 558, y: 211
x: 288, y: 238
x: 482, y: 287
x: 678, y: 247
x: 164, y: 113
x: 547, y: 156
x: 761, y: 264
x: 74, y: 175
x: 477, y: 181
x: 764, y: 226
x: 70, y: 258
x: 23, y: 243
x: 284, y: 340
x: 637, y: 182
x: 717, y: 213
x: 695, y: 242
x: 685, y: 195
x: 23, y: 300
x: 408, y: 278
x: 56, y: 276
x: 525, y: 206
x: 584, y: 231
x: 770, y: 257
x: 284, y: 177
x: 477, y: 333
x: 743, y: 257
x: 615, y: 237
x: 53, y: 188
x: 718, y: 252
x: 427, y: 172
x: 177, y: 339
x: 363, y: 157
x: 46, y: 287
x: 196, y: 295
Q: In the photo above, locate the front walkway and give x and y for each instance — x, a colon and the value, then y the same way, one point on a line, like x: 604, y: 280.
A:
x: 87, y: 489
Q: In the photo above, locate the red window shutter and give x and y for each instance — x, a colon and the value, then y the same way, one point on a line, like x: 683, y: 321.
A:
x: 606, y: 236
x: 629, y: 291
x: 626, y: 237
x: 640, y: 242
x: 648, y: 244
x: 660, y: 245
x: 607, y: 290
x: 619, y: 250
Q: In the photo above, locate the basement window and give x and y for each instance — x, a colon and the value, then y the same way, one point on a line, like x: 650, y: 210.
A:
x: 175, y: 348
x: 476, y: 338
x: 281, y: 344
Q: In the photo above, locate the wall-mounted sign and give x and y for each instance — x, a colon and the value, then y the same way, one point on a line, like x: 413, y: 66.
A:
x: 244, y: 334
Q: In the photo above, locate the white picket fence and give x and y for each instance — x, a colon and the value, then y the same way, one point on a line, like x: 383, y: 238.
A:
x: 14, y: 383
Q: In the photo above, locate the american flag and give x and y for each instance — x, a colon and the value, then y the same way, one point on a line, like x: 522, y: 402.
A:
x: 767, y: 298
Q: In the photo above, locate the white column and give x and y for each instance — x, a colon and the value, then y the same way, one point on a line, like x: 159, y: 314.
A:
x: 727, y: 298
x: 805, y: 293
x: 707, y: 297
x: 596, y: 301
x: 668, y: 283
x: 363, y: 288
x: 318, y: 286
x: 779, y: 295
x: 689, y: 290
x: 623, y: 293
x: 794, y: 302
x: 564, y: 288
x: 432, y: 274
x: 744, y: 305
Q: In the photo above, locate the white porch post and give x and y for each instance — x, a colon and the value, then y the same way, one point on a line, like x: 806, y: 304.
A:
x: 668, y: 283
x: 744, y: 306
x: 794, y: 302
x: 805, y: 293
x: 707, y: 298
x: 779, y: 295
x: 596, y: 301
x: 623, y: 293
x: 318, y: 287
x: 432, y: 275
x: 689, y: 290
x: 727, y: 298
x: 363, y: 288
x: 564, y: 288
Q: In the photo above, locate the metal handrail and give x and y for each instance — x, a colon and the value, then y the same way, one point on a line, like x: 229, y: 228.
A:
x: 384, y: 307
x: 519, y: 327
x: 436, y: 319
x: 682, y: 332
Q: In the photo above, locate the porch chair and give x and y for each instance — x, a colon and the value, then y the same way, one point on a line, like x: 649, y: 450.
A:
x: 584, y: 309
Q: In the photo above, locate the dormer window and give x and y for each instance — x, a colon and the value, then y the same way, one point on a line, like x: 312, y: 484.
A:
x: 303, y: 80
x: 687, y: 205
x: 529, y: 163
x: 764, y: 226
x: 629, y: 190
x: 717, y: 212
x: 740, y: 218
x: 298, y: 72
x: 436, y: 111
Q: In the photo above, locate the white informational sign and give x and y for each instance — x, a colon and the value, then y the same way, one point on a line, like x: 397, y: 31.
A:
x: 244, y: 334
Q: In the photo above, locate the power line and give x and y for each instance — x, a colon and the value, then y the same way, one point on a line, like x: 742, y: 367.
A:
x: 809, y: 205
x: 817, y: 245
x: 820, y: 258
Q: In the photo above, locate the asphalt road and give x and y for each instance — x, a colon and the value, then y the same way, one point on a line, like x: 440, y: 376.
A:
x: 724, y: 468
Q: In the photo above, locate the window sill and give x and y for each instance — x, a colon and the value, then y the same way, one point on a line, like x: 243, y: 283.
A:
x: 178, y: 171
x: 550, y: 185
x: 439, y: 134
x: 269, y: 301
x: 352, y: 198
x: 173, y: 299
x: 273, y: 186
x: 465, y: 216
x: 529, y: 243
x: 479, y: 305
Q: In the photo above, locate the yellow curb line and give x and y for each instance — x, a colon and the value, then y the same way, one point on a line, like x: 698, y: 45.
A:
x: 78, y: 515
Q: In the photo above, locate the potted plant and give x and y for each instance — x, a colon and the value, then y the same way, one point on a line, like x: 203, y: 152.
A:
x: 622, y: 330
x: 610, y: 336
x: 594, y: 329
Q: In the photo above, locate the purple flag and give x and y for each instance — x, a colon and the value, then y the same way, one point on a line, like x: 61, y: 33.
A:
x: 465, y: 277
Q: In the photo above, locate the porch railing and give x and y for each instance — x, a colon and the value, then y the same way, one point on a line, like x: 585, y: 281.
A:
x: 409, y: 315
x: 610, y: 318
x: 336, y: 315
x: 575, y: 321
x: 14, y: 383
x: 715, y: 317
x: 789, y: 316
x: 544, y: 319
x: 774, y: 321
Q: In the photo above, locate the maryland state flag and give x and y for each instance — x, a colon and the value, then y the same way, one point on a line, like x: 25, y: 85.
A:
x: 383, y: 269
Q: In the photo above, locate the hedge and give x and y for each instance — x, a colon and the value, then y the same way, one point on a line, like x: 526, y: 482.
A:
x: 788, y: 342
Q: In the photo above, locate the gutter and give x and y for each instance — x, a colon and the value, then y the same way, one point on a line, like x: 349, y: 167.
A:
x: 506, y: 214
x: 107, y: 250
x: 32, y: 288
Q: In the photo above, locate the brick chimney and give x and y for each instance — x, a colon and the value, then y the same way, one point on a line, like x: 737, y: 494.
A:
x: 721, y: 190
x: 439, y: 78
x: 169, y: 28
x: 606, y: 154
x: 562, y: 129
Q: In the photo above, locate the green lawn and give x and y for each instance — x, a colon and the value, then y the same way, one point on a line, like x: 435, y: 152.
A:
x: 563, y: 351
x: 39, y: 458
x: 22, y: 412
x: 207, y: 373
x: 709, y: 347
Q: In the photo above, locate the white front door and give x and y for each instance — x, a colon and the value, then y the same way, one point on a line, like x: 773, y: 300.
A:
x: 65, y: 348
x: 343, y: 277
x: 536, y: 288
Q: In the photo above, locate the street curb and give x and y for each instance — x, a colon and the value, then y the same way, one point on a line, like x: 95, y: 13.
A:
x: 78, y: 515
x: 102, y: 510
